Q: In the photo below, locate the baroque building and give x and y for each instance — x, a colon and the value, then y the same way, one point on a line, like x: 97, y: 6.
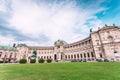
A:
x: 101, y: 44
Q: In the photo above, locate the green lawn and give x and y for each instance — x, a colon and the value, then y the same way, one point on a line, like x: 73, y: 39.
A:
x: 61, y: 71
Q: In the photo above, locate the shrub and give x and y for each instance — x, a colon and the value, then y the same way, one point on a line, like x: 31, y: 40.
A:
x: 23, y: 61
x: 84, y: 60
x: 106, y: 60
x: 99, y: 60
x: 56, y: 60
x: 49, y: 60
x: 41, y: 60
x: 1, y: 61
x: 71, y: 60
x: 32, y: 60
x: 6, y: 61
x: 80, y: 60
x: 75, y: 60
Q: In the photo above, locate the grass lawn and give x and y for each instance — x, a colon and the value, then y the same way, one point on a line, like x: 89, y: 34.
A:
x: 61, y: 71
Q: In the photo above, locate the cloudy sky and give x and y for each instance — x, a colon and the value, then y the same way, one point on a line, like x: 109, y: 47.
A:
x: 41, y: 22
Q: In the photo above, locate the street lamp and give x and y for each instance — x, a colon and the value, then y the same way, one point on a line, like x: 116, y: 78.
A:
x: 4, y: 58
x: 7, y: 50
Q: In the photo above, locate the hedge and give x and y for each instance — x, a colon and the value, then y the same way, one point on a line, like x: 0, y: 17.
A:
x: 1, y: 61
x: 32, y: 60
x: 49, y: 60
x: 41, y: 60
x: 23, y: 61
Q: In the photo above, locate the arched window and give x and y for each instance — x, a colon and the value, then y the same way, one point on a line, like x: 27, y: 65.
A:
x: 55, y: 57
x: 74, y: 56
x: 81, y: 55
x: 44, y: 57
x: 110, y: 38
x: 24, y: 56
x: 10, y: 55
x: 38, y: 57
x: 0, y: 55
x: 41, y: 57
x: 71, y: 56
x: 88, y: 54
x: 84, y: 55
x: 66, y: 56
x: 92, y: 54
x: 101, y: 56
x: 77, y: 55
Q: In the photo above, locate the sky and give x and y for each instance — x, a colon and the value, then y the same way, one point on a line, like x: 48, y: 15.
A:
x: 42, y: 22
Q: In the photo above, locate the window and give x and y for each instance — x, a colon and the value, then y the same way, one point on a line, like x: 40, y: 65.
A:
x: 116, y: 37
x: 110, y: 38
x: 81, y: 55
x: 24, y: 56
x: 38, y: 57
x: 74, y: 56
x: 115, y: 51
x: 77, y: 55
x: 88, y: 55
x: 97, y: 43
x: 103, y: 38
x: 95, y: 36
x: 66, y: 56
x: 44, y: 57
x: 0, y: 55
x: 101, y: 55
x: 89, y: 41
x: 10, y: 55
x: 84, y: 55
x: 92, y: 54
x: 108, y: 32
x: 99, y: 48
x: 71, y: 56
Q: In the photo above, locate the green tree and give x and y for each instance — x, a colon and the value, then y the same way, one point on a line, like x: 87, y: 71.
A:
x: 41, y: 60
x: 34, y: 54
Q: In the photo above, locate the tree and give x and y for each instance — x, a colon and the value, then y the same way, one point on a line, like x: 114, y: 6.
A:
x: 23, y: 61
x: 32, y: 60
x: 34, y: 54
x: 49, y: 60
x: 91, y: 30
x: 41, y: 60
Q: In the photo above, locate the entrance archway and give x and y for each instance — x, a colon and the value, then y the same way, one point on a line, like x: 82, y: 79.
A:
x: 55, y: 57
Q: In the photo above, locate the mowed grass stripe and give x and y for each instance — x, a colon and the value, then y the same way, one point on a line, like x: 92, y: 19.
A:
x: 61, y: 71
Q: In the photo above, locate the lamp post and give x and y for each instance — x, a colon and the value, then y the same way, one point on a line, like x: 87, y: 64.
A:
x: 4, y: 58
x: 7, y: 51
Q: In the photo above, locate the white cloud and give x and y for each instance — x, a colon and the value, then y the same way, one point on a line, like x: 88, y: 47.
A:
x: 10, y: 40
x: 6, y: 40
x: 2, y: 6
x: 54, y: 20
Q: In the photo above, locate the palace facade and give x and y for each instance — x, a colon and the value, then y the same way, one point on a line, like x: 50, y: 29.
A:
x: 101, y: 44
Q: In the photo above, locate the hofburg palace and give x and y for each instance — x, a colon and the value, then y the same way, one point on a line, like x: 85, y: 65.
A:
x: 101, y: 44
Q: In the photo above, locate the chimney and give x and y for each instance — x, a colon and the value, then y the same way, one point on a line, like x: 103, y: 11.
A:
x: 113, y: 25
x: 14, y: 45
x: 98, y: 28
x: 105, y: 25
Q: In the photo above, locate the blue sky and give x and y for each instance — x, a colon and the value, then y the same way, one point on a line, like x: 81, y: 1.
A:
x: 41, y: 22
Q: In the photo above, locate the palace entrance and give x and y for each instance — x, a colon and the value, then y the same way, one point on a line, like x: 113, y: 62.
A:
x: 55, y: 57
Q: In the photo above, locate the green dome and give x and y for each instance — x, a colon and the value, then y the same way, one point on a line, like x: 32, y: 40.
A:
x: 22, y: 45
x: 7, y: 47
x: 59, y: 43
